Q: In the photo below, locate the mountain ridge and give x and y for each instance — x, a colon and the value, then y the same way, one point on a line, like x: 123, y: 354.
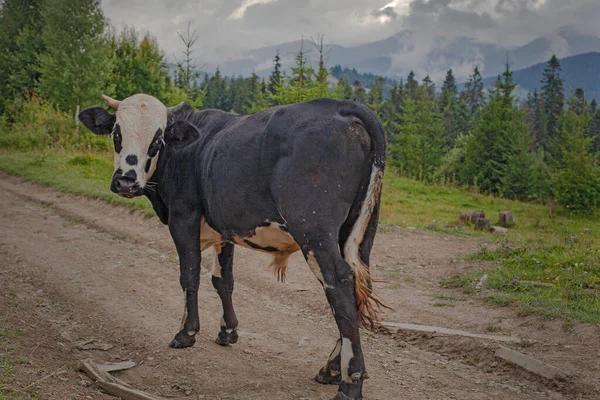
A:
x: 404, y: 51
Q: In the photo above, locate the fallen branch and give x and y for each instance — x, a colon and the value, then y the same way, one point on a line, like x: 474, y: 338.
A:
x: 454, y: 332
x: 112, y: 385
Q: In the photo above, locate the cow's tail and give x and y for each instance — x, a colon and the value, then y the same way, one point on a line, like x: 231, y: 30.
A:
x: 368, y: 303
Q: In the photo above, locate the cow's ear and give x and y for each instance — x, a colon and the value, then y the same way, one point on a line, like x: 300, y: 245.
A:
x: 180, y: 134
x: 97, y: 120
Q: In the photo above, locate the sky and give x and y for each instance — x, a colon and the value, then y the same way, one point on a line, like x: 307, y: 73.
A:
x: 227, y: 27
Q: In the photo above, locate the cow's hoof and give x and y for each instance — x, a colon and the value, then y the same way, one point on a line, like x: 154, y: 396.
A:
x: 329, y: 377
x: 226, y: 338
x: 182, y: 340
x: 342, y: 396
x: 350, y: 390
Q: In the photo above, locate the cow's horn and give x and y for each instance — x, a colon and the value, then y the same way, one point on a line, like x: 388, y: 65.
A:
x: 112, y: 102
x: 174, y: 109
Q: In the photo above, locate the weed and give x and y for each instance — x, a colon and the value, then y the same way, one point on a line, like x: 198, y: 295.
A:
x: 10, y: 333
x: 499, y: 300
x: 443, y: 304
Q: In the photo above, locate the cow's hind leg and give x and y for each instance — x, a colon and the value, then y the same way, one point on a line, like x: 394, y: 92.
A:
x: 337, y: 278
x: 222, y: 280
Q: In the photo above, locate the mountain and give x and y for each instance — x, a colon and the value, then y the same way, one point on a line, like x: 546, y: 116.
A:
x: 404, y: 51
x: 580, y: 71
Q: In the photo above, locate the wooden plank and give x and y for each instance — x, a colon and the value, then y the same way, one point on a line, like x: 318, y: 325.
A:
x: 114, y: 386
x: 529, y: 363
x: 454, y: 332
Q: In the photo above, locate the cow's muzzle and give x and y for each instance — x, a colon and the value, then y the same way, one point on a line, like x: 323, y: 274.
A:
x: 126, y: 187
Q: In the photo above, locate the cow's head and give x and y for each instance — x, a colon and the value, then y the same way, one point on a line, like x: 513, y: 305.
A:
x: 138, y: 128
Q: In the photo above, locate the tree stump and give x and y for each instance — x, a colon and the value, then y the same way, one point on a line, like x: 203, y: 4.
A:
x: 464, y: 218
x: 507, y: 218
x: 475, y: 215
x: 482, y: 224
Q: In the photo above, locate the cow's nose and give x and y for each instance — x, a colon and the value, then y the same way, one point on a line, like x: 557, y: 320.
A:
x: 124, y: 184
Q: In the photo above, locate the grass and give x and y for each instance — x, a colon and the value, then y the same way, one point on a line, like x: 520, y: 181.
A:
x: 409, y: 203
x: 69, y: 172
x: 559, y: 279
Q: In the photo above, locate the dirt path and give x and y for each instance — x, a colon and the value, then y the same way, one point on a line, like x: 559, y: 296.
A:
x: 74, y: 268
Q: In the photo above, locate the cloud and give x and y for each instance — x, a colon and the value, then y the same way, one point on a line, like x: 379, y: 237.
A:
x: 228, y: 28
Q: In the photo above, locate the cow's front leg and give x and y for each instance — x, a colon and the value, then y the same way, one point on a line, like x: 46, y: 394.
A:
x: 185, y: 230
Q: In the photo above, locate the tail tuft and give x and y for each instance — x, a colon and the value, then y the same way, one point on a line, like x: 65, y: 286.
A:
x: 369, y: 305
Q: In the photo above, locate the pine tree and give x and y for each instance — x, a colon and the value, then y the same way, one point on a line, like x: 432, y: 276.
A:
x: 577, y: 180
x: 360, y: 94
x: 593, y: 106
x: 593, y: 131
x: 187, y: 71
x: 301, y: 81
x: 554, y: 99
x: 449, y: 91
x: 320, y: 89
x: 428, y: 87
x: 412, y: 86
x: 275, y: 78
x: 75, y: 69
x: 343, y: 90
x: 473, y: 95
x: 376, y: 96
x: 535, y: 115
x: 217, y: 95
x: 579, y: 103
x: 496, y: 153
x: 418, y: 147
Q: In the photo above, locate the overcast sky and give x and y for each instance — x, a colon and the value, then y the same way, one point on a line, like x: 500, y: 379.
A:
x: 227, y: 26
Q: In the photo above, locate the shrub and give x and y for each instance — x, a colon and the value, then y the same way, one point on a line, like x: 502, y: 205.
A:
x: 35, y: 124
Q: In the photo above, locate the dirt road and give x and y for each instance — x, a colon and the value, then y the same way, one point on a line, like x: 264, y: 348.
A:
x: 72, y: 269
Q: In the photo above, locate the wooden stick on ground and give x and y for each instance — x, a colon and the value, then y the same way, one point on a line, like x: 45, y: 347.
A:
x: 112, y: 385
x: 446, y: 331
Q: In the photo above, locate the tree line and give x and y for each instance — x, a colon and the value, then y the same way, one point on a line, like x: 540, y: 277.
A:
x: 547, y: 148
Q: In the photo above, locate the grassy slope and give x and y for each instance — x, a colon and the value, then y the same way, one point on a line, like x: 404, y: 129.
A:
x: 544, y: 246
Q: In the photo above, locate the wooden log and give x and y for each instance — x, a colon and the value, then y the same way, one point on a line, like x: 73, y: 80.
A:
x: 112, y: 385
x: 529, y: 363
x: 482, y: 224
x: 475, y: 215
x: 464, y: 218
x: 452, y: 332
x: 507, y: 218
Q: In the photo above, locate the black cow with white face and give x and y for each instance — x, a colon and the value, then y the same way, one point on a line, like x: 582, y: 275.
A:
x: 305, y: 177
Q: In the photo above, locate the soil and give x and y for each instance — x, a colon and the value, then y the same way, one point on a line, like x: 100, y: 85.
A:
x: 74, y: 269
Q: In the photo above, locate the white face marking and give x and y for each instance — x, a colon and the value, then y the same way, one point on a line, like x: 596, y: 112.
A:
x: 139, y: 117
x: 347, y: 355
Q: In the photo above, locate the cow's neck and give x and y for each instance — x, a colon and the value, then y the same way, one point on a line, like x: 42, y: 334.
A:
x: 155, y: 192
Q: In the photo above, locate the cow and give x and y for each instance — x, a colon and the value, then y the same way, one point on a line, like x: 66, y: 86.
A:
x: 303, y: 177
